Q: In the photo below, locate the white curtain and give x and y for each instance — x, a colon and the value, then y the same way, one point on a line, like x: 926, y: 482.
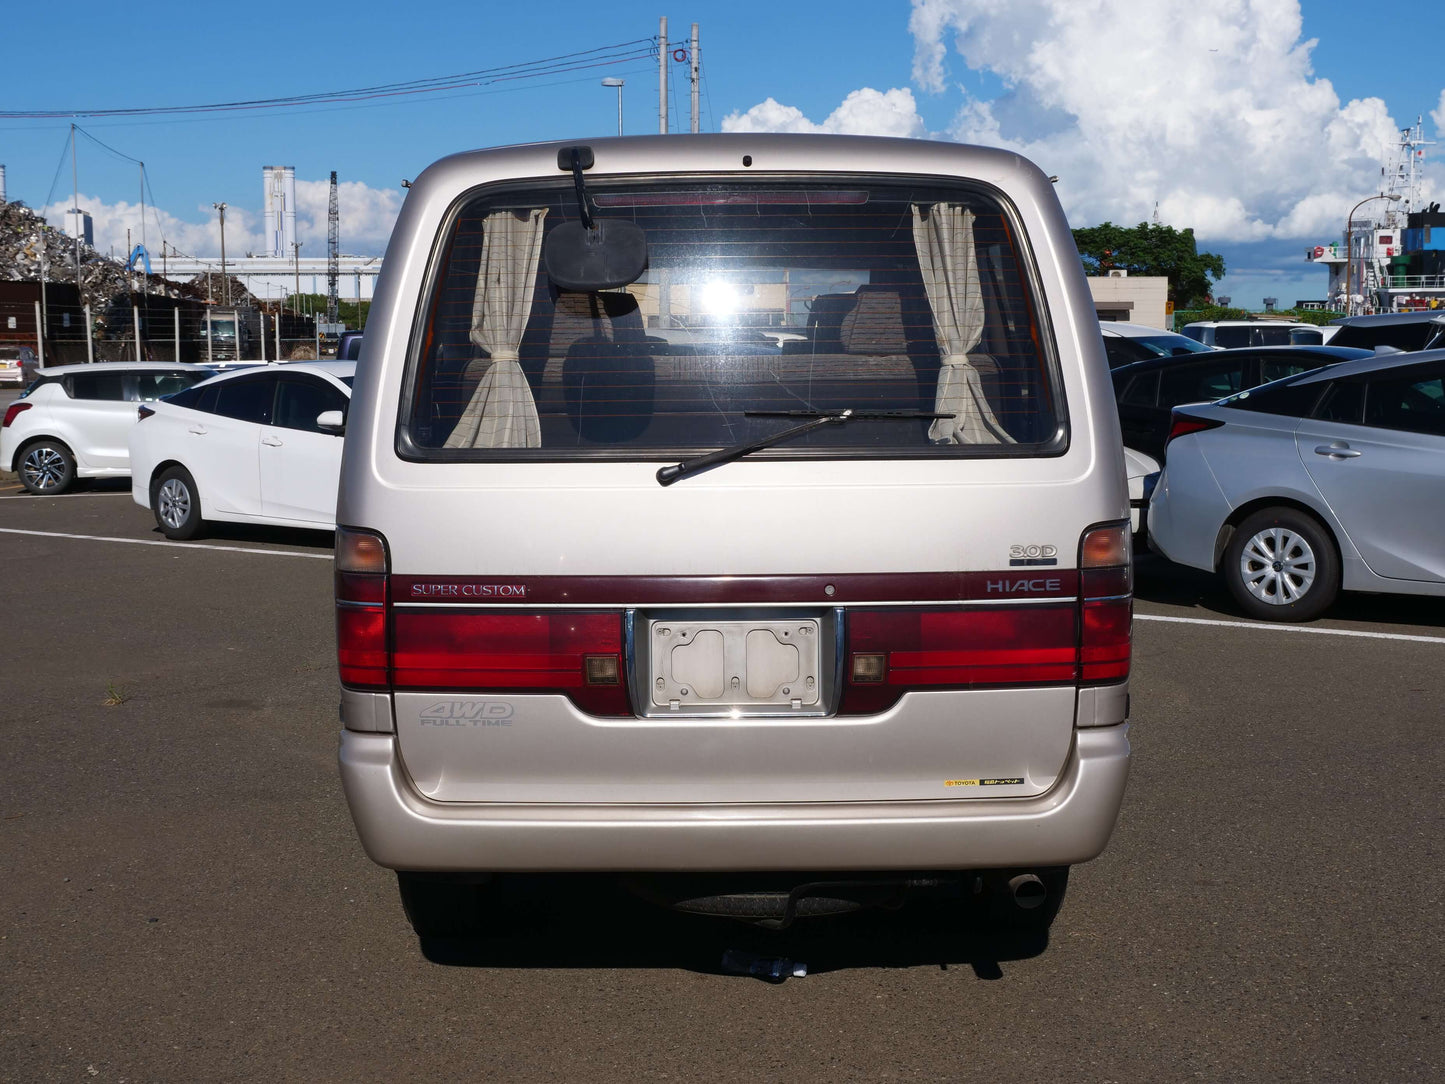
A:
x: 943, y: 236
x: 502, y: 412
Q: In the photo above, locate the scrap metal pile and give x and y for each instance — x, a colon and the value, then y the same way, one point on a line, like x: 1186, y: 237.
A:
x: 31, y: 249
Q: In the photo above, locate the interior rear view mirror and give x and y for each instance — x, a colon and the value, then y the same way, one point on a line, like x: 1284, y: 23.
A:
x: 612, y: 253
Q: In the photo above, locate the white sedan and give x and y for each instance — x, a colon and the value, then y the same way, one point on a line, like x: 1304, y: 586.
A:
x: 251, y: 446
x: 1143, y: 472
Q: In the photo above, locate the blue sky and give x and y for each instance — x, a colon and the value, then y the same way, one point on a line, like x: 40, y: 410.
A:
x: 1216, y: 112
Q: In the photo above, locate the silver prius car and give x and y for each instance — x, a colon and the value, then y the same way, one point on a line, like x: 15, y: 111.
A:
x: 742, y: 513
x: 1327, y: 480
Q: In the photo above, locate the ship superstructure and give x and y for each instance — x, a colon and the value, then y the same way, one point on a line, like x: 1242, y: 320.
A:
x: 1391, y: 257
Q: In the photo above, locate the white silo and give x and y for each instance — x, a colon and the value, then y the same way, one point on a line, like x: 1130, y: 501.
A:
x: 279, y: 188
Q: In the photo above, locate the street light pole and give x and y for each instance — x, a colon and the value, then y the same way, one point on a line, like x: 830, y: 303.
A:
x: 613, y: 81
x: 225, y: 282
x: 1350, y: 247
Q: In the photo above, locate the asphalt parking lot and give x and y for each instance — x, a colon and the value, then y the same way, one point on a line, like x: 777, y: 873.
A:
x: 182, y: 896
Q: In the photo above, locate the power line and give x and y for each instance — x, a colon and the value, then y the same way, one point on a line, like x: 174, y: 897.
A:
x: 707, y: 94
x: 602, y: 56
x: 629, y: 67
x: 58, y: 167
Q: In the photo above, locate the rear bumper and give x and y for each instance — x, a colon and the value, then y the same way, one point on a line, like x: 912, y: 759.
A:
x: 1071, y: 823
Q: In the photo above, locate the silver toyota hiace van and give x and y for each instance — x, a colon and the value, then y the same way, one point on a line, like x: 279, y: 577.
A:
x: 750, y: 507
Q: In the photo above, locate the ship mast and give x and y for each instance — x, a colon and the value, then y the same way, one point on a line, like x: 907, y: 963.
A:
x: 1403, y: 177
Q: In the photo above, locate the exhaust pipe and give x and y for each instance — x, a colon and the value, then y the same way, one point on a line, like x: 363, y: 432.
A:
x: 1027, y: 891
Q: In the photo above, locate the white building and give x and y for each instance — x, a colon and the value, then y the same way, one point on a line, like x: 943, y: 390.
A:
x: 1136, y: 299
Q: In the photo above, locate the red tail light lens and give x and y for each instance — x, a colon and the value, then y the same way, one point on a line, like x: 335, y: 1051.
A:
x: 13, y: 411
x: 1106, y: 641
x: 1106, y: 620
x: 144, y: 412
x: 361, y: 646
x: 382, y: 648
x: 1181, y: 425
x: 579, y: 654
x: 361, y: 626
x: 959, y: 648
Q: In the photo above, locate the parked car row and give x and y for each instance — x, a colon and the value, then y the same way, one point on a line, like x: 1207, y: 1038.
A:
x: 1326, y: 480
x: 252, y: 446
x: 1147, y: 391
x: 1294, y: 471
x: 73, y: 421
x: 257, y: 444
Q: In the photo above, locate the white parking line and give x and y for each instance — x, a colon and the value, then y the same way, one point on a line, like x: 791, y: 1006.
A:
x: 1291, y: 628
x: 177, y: 545
x: 59, y: 496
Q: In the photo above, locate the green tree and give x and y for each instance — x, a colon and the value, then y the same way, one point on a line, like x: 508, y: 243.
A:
x: 1152, y: 249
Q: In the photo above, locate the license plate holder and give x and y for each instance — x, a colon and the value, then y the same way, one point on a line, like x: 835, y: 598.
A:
x: 698, y: 664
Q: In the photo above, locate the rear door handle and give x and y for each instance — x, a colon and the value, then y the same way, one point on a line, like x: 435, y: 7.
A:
x: 1338, y: 450
x: 275, y: 442
x: 199, y: 430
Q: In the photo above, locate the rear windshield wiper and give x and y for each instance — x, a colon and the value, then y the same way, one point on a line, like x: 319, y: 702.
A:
x: 819, y: 418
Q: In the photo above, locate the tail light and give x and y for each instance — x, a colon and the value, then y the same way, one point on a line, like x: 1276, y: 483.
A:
x: 890, y: 652
x: 382, y: 649
x: 361, y: 598
x: 143, y: 412
x: 1106, y: 601
x: 577, y: 654
x: 1181, y: 425
x: 893, y: 651
x: 13, y: 411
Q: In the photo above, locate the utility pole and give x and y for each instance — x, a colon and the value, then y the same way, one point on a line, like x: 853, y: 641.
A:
x: 75, y: 184
x: 333, y: 252
x: 662, y: 59
x: 225, y: 282
x: 692, y: 56
x: 145, y: 276
x: 296, y: 255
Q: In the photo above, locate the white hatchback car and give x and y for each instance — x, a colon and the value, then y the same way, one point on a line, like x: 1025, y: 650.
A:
x: 73, y: 421
x: 252, y: 446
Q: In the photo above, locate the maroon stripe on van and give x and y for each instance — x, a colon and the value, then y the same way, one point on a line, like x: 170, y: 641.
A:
x: 850, y: 589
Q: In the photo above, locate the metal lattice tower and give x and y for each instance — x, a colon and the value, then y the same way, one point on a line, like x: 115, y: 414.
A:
x: 333, y: 253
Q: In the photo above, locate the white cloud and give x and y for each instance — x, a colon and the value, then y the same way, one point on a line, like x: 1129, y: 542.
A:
x: 366, y: 218
x: 1212, y: 111
x: 365, y: 215
x: 863, y: 112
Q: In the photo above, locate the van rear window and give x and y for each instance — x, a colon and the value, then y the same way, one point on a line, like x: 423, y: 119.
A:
x: 759, y: 303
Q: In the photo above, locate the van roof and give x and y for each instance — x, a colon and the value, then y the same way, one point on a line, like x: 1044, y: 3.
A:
x: 765, y: 153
